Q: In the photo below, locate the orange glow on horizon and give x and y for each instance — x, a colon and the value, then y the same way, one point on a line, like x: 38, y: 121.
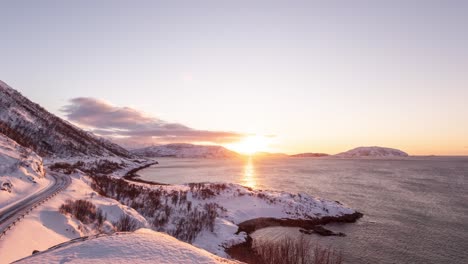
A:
x: 250, y: 145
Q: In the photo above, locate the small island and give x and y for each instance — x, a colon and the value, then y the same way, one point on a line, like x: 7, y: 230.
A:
x: 372, y: 152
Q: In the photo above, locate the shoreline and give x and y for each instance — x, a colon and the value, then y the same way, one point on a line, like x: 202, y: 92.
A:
x: 244, y: 251
x: 132, y: 175
x: 253, y: 225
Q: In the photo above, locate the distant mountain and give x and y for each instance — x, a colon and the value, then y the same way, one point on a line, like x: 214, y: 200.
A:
x: 33, y: 127
x: 372, y: 152
x: 182, y: 150
x: 309, y: 155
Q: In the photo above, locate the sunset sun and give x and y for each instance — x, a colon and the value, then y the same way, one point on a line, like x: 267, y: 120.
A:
x: 250, y: 145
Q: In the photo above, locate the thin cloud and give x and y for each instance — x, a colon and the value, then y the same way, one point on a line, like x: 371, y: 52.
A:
x: 129, y: 126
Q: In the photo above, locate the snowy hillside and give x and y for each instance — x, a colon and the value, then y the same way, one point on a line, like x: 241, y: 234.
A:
x: 21, y: 171
x: 46, y: 226
x: 182, y: 150
x: 372, y: 152
x: 208, y: 214
x: 142, y: 246
x: 49, y: 136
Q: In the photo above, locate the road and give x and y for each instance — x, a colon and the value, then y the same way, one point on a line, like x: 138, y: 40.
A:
x: 10, y: 216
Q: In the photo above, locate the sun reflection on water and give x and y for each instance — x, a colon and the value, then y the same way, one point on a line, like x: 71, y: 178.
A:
x: 249, y: 174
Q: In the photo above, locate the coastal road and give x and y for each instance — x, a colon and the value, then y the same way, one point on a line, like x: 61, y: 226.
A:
x: 13, y: 214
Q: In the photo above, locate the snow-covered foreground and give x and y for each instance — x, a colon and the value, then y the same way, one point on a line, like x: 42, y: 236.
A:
x: 232, y: 204
x: 45, y: 226
x: 208, y: 214
x: 142, y: 246
x: 21, y: 172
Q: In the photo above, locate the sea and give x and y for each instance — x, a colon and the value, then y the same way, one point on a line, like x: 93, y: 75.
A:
x: 415, y: 209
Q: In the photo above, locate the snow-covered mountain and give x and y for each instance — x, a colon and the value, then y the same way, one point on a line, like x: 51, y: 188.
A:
x: 372, y: 152
x: 32, y: 126
x: 142, y: 246
x: 21, y: 171
x: 182, y: 150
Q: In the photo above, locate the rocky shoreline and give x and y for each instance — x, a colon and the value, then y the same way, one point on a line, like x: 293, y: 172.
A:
x: 134, y: 177
x: 244, y: 251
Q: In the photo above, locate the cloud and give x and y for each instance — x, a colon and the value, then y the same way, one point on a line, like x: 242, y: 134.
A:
x: 129, y: 126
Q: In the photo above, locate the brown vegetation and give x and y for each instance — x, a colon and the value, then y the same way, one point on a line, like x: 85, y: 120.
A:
x: 285, y: 251
x: 295, y: 251
x: 84, y: 211
x: 161, y: 207
x: 98, y: 167
x: 126, y: 223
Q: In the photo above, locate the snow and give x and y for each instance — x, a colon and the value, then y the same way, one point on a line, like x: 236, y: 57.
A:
x: 48, y: 135
x: 49, y: 227
x: 21, y: 172
x: 239, y: 204
x: 45, y: 226
x: 90, y: 163
x: 244, y: 204
x: 372, y: 152
x: 142, y: 246
x: 182, y: 150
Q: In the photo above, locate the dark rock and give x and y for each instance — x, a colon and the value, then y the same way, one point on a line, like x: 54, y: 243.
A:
x: 321, y: 231
x: 252, y: 225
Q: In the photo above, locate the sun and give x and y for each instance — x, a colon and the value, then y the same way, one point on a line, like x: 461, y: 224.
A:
x: 250, y: 145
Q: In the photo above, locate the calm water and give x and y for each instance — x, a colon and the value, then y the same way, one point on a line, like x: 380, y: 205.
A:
x: 416, y: 210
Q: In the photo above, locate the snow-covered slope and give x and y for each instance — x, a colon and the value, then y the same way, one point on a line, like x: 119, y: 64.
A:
x: 372, y: 152
x: 49, y: 136
x: 182, y: 150
x: 142, y: 246
x: 208, y: 214
x: 21, y: 171
x: 45, y: 226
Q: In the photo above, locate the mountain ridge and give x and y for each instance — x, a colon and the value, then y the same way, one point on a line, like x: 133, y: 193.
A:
x: 32, y: 126
x: 185, y: 150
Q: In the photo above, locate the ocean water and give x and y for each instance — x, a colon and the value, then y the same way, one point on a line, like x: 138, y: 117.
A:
x: 415, y: 209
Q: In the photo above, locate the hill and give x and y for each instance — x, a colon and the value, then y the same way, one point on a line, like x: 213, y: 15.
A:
x: 33, y: 127
x: 182, y: 150
x: 372, y: 152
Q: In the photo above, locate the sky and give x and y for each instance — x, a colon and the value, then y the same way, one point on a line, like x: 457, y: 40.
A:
x: 278, y: 76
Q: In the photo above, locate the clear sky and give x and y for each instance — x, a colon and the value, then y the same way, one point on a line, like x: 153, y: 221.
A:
x: 318, y: 76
